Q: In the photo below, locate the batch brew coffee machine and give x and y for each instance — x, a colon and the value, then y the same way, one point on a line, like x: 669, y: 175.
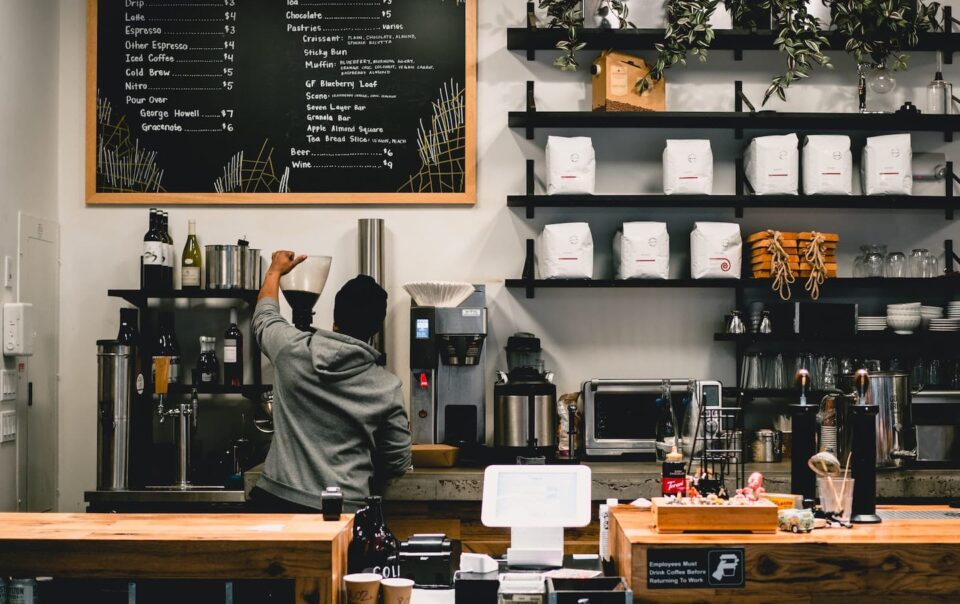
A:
x: 447, y: 355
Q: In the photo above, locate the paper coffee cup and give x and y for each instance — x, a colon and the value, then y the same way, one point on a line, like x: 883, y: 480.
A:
x: 397, y: 591
x: 362, y: 588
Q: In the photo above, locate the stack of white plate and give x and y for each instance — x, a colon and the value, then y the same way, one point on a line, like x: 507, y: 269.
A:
x: 953, y: 310
x: 945, y: 324
x: 929, y: 312
x: 871, y: 323
x: 903, y: 319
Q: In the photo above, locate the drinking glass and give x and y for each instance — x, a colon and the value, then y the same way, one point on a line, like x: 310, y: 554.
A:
x: 917, y: 262
x: 918, y: 374
x: 836, y: 496
x: 858, y: 268
x: 934, y: 373
x: 931, y: 266
x: 896, y: 265
x: 830, y: 370
x: 873, y: 264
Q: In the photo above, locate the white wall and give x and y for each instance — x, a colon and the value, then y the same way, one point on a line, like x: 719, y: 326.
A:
x: 28, y: 105
x: 626, y: 333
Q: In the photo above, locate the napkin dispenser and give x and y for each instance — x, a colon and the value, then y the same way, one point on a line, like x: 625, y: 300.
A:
x: 429, y: 560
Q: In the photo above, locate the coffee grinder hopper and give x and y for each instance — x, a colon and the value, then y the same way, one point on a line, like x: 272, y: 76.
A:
x: 302, y: 288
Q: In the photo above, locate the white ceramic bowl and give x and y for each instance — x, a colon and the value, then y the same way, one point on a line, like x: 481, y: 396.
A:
x: 903, y: 325
x: 904, y: 306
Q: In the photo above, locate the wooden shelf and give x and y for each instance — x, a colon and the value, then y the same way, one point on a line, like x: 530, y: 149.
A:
x: 140, y: 298
x: 738, y: 40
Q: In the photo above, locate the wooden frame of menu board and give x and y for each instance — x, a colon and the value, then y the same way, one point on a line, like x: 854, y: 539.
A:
x: 426, y: 186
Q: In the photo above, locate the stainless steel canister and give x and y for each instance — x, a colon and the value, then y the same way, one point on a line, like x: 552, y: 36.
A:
x: 251, y: 268
x: 23, y: 591
x: 767, y: 446
x: 224, y: 267
x: 115, y: 365
x: 890, y: 391
x: 525, y: 413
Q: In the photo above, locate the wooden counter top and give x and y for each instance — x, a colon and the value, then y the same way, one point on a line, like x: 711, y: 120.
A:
x: 303, y: 548
x: 637, y: 527
x: 899, y: 560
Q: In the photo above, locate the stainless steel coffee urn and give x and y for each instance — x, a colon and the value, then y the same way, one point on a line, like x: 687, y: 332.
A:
x: 525, y: 403
x: 115, y: 365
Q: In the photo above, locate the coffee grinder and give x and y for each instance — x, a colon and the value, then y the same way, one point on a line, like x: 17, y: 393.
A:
x: 447, y: 356
x: 302, y: 288
x: 525, y: 404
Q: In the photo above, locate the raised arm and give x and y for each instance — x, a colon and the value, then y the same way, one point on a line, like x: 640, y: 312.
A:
x: 272, y: 331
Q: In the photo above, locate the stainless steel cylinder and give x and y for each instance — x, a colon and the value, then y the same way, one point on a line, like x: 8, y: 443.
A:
x: 370, y: 249
x: 224, y: 267
x: 183, y: 437
x: 114, y: 390
x: 513, y: 423
x: 251, y: 268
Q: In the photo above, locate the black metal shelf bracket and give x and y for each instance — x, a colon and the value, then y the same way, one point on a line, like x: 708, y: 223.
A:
x: 739, y: 100
x: 950, y: 177
x: 530, y: 206
x: 531, y: 26
x: 948, y: 22
x: 529, y: 269
x: 949, y: 257
x: 739, y: 179
x: 531, y: 108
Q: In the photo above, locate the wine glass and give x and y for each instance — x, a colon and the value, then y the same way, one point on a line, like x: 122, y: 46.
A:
x: 918, y: 262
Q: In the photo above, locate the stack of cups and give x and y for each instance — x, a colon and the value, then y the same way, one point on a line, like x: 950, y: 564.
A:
x: 365, y: 588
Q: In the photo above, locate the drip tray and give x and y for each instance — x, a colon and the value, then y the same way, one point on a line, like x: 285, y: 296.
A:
x: 192, y: 487
x: 917, y: 515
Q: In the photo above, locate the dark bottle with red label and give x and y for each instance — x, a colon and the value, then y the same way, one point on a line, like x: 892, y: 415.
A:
x: 673, y: 480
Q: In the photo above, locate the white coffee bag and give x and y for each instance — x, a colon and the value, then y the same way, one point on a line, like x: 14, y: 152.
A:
x: 886, y: 167
x: 687, y: 167
x: 571, y: 165
x: 641, y: 250
x: 827, y: 165
x: 772, y: 165
x: 715, y: 250
x: 565, y: 251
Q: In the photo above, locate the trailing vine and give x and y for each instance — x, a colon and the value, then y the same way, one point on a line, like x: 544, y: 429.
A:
x: 688, y: 32
x: 567, y: 14
x: 878, y: 30
x: 798, y: 35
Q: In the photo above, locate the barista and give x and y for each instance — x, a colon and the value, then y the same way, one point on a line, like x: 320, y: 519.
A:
x: 339, y: 417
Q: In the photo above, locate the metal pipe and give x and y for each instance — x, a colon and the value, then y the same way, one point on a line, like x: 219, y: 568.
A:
x: 184, y: 423
x: 371, y: 262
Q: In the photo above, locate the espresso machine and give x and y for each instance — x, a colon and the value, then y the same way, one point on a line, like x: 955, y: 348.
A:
x: 447, y: 356
x: 525, y: 404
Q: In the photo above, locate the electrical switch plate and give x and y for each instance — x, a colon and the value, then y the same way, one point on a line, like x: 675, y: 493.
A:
x: 18, y: 330
x: 8, y: 384
x: 8, y: 426
x: 8, y: 272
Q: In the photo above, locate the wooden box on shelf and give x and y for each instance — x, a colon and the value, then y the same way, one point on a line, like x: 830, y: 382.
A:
x: 757, y: 517
x: 614, y: 76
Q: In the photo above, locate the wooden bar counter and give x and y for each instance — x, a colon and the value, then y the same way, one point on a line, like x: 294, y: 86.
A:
x: 303, y: 548
x: 900, y: 560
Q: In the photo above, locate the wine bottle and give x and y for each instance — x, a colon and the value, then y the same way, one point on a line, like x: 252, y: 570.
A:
x: 166, y: 345
x: 233, y: 353
x: 191, y: 262
x: 167, y: 251
x: 208, y: 369
x: 152, y: 268
x: 129, y: 334
x: 374, y: 547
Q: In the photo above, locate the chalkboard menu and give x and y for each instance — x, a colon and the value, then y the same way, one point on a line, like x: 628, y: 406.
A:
x: 281, y: 101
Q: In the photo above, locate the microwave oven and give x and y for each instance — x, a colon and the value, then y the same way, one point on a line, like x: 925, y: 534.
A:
x: 620, y: 416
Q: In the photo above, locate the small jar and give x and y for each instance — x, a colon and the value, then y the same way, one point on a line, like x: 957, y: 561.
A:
x: 208, y: 368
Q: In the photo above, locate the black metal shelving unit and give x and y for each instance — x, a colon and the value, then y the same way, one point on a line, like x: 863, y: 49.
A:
x: 140, y: 298
x: 867, y: 337
x: 531, y: 39
x: 250, y: 391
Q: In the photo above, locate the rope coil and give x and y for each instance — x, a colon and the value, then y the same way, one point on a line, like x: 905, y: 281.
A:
x: 780, y: 272
x: 814, y: 253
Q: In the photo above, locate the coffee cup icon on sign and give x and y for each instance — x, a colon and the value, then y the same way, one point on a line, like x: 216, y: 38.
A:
x: 726, y: 567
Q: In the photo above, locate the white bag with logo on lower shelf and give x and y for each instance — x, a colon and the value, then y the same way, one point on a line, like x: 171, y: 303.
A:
x: 715, y: 250
x: 772, y: 165
x: 687, y: 167
x: 565, y: 251
x: 886, y: 167
x: 641, y: 250
x: 571, y: 166
x: 827, y: 165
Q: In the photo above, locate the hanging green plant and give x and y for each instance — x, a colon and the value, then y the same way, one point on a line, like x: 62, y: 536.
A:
x: 688, y: 32
x: 567, y: 14
x: 878, y: 31
x: 800, y: 37
x: 612, y: 14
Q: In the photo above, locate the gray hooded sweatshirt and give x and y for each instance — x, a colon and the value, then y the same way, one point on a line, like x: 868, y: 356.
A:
x: 339, y: 418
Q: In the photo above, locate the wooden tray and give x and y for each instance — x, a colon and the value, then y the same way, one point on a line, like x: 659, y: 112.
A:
x: 760, y: 517
x: 434, y: 456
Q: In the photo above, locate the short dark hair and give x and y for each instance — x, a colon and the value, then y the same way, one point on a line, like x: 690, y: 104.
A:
x: 360, y: 308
